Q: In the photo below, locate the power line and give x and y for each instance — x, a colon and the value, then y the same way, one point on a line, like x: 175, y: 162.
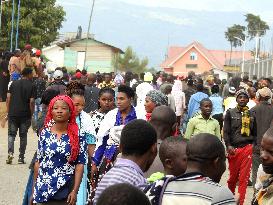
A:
x: 88, y: 32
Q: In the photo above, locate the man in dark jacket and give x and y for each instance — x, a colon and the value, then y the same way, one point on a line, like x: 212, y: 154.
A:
x: 239, y: 134
x: 263, y: 114
x: 91, y: 94
x: 58, y: 83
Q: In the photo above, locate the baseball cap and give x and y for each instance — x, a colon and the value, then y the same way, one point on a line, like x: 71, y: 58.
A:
x: 28, y: 47
x: 232, y: 90
x: 58, y: 74
x: 38, y: 52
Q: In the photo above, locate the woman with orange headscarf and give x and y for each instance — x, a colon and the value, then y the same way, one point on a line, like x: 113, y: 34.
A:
x: 61, y: 156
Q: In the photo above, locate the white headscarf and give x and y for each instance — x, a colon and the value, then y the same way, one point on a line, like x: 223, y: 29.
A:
x: 118, y: 79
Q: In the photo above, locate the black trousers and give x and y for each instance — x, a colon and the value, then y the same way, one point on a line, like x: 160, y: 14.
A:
x: 15, y: 124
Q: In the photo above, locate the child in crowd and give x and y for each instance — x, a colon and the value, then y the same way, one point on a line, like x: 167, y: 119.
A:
x: 203, y: 123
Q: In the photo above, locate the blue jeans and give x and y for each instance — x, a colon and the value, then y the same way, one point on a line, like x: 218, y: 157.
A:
x: 38, y: 108
x: 23, y: 125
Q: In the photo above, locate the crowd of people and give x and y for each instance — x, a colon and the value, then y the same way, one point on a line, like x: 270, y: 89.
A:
x: 117, y: 138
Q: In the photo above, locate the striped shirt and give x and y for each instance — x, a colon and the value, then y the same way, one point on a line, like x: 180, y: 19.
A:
x: 194, y: 189
x: 124, y: 171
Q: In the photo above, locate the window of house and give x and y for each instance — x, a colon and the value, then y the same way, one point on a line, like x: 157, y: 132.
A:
x: 190, y: 66
x: 193, y: 56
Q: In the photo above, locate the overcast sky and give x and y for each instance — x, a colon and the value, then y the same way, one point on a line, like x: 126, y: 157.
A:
x: 180, y: 21
x: 261, y: 7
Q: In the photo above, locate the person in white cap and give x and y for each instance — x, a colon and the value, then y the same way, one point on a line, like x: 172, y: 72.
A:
x: 57, y: 83
x: 230, y: 101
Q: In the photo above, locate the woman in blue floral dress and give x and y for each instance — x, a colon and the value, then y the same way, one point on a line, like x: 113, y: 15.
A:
x: 61, y: 156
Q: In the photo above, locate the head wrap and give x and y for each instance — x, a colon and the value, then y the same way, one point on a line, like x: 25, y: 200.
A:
x: 241, y: 92
x: 72, y: 129
x: 157, y: 97
x: 118, y: 79
x: 265, y: 92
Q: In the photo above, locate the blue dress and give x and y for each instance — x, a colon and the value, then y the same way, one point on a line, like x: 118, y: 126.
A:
x: 85, y: 129
x: 55, y: 171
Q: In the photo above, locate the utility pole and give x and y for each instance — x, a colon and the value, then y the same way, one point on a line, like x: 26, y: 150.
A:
x: 256, y: 46
x: 17, y: 25
x: 88, y: 33
x: 12, y: 25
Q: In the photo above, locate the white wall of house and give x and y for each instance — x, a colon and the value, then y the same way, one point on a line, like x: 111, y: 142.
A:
x: 55, y: 55
x: 222, y: 74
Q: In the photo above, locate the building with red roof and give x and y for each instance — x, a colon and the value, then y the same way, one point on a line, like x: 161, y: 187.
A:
x: 195, y: 57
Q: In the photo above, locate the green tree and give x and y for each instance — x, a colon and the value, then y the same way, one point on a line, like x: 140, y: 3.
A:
x: 234, y: 31
x: 130, y: 62
x: 39, y: 23
x: 256, y: 27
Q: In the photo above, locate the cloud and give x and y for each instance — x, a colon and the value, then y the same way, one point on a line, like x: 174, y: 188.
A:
x: 196, y: 5
x: 171, y: 19
x: 264, y: 9
x: 208, y: 5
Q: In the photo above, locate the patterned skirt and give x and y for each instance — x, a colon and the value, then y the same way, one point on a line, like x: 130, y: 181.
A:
x: 104, y: 167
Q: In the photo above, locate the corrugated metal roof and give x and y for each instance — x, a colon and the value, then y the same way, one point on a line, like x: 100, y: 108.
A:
x: 65, y: 43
